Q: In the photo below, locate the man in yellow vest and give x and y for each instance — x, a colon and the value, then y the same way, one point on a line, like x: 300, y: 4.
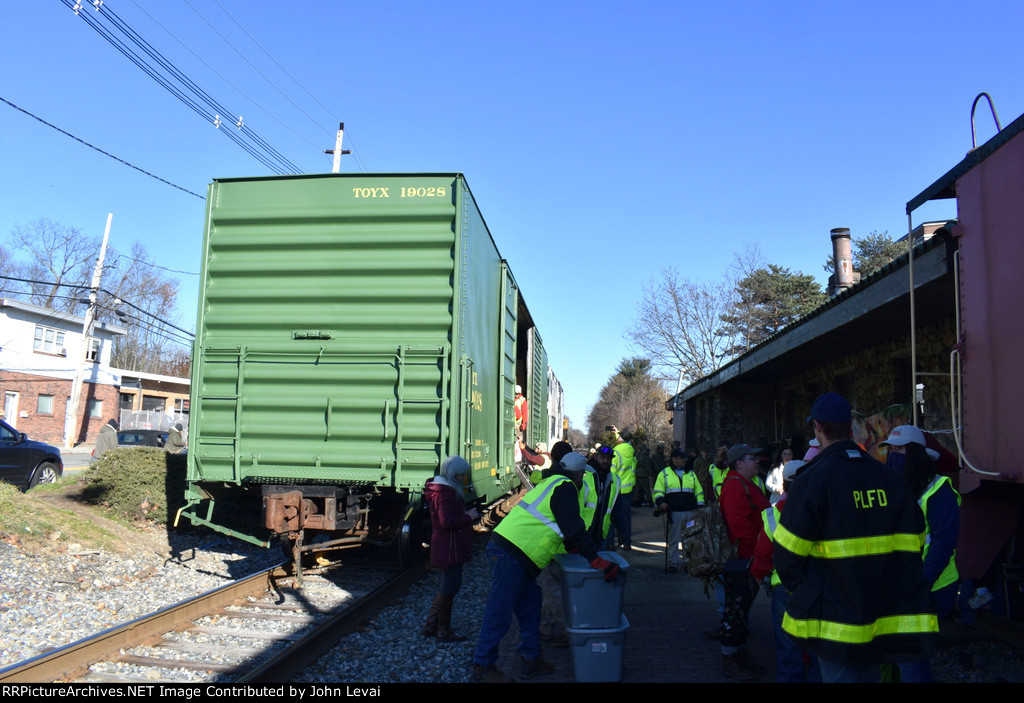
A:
x: 623, y: 466
x: 544, y: 523
x: 600, y: 490
x: 678, y: 492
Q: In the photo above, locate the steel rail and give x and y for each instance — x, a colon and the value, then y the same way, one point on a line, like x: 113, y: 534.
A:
x: 285, y: 665
x: 76, y: 656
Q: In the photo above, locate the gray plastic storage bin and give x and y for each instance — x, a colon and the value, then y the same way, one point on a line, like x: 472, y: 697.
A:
x: 591, y: 602
x: 597, y: 654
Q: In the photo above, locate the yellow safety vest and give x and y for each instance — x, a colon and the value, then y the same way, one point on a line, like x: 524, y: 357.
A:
x: 949, y: 574
x: 717, y: 478
x: 531, y: 525
x: 770, y: 518
x: 669, y: 481
x: 624, y: 466
x: 588, y: 501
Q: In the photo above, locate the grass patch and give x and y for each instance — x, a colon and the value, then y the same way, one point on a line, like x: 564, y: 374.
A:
x: 134, y: 487
x: 26, y: 519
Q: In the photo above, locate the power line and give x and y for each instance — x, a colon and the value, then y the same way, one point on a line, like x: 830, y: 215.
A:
x: 352, y: 146
x: 103, y: 290
x: 156, y: 266
x: 82, y: 141
x: 296, y: 80
x: 243, y: 57
x: 164, y: 71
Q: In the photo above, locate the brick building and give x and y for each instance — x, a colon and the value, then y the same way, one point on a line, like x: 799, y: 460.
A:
x: 41, y: 350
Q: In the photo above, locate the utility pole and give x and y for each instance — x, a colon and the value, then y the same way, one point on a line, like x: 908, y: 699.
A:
x: 71, y: 414
x: 337, y: 150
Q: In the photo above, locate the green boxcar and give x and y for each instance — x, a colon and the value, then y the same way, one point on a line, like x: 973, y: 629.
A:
x: 353, y: 331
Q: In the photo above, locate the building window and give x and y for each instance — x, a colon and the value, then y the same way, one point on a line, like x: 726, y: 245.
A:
x: 181, y: 405
x: 49, y: 340
x: 44, y: 406
x: 154, y: 402
x: 95, y: 408
x: 127, y: 401
x: 92, y: 350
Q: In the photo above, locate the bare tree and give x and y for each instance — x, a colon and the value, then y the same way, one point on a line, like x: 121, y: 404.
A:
x: 11, y: 271
x: 679, y: 324
x: 143, y: 300
x: 634, y: 401
x: 135, y: 292
x: 60, y: 259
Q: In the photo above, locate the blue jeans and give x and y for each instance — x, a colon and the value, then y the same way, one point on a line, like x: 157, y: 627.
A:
x: 622, y: 519
x: 513, y: 590
x: 789, y: 656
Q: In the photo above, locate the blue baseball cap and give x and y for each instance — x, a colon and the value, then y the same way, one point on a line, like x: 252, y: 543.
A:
x: 830, y: 407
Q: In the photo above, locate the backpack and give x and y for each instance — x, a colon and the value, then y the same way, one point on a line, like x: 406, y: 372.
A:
x: 706, y: 541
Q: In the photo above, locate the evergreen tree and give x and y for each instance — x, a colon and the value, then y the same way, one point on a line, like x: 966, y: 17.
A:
x: 768, y: 299
x: 871, y: 253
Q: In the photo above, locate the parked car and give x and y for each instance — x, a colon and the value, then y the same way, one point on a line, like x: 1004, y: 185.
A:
x: 25, y: 462
x: 141, y: 438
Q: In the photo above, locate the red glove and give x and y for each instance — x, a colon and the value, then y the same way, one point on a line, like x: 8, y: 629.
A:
x: 611, y: 570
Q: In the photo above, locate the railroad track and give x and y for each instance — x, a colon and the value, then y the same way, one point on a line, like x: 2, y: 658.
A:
x: 263, y: 628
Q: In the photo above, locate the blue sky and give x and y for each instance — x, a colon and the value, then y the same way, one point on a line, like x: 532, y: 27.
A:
x: 603, y: 141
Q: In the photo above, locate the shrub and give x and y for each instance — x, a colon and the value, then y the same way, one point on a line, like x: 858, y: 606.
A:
x: 137, y: 483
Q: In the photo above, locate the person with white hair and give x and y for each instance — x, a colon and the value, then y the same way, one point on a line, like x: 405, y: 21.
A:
x: 175, y: 444
x: 451, y: 542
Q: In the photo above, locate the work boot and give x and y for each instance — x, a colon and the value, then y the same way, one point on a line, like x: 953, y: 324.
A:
x: 734, y: 668
x: 534, y: 667
x: 748, y: 661
x: 489, y: 674
x: 445, y: 633
x: 430, y: 628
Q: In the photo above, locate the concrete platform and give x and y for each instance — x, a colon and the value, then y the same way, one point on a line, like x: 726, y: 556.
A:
x: 668, y: 614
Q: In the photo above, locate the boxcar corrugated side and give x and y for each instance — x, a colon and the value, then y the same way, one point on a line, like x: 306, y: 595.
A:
x: 353, y: 331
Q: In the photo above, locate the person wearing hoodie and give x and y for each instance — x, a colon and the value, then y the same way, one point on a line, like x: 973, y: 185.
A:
x: 451, y: 542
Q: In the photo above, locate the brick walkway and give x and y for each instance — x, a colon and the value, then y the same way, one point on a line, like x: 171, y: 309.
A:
x: 667, y: 615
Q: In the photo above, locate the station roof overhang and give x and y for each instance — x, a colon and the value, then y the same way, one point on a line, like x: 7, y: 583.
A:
x: 877, y: 308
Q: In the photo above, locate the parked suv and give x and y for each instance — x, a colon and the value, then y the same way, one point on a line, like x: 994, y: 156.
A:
x: 25, y: 462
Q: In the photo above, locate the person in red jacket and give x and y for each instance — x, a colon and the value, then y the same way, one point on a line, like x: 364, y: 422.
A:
x: 451, y: 542
x: 741, y: 502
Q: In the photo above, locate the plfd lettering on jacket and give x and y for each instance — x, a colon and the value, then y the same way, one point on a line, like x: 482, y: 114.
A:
x: 870, y: 499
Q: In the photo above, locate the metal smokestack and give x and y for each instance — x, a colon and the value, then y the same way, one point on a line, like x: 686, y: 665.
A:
x: 842, y: 255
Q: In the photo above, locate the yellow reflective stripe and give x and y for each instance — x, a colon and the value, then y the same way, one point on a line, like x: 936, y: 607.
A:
x: 860, y: 634
x: 851, y: 547
x: 787, y: 540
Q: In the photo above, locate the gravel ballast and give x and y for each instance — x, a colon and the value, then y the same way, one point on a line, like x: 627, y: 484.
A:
x: 58, y: 595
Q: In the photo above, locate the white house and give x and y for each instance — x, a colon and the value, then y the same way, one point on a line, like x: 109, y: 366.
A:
x: 40, y: 352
